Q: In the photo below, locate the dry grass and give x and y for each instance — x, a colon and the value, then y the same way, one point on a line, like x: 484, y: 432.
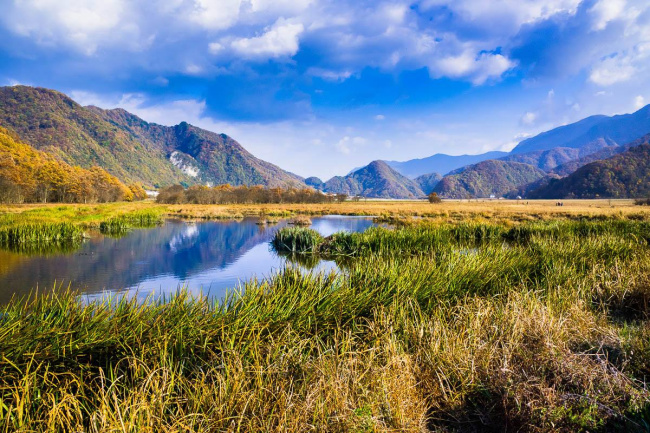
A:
x: 92, y: 215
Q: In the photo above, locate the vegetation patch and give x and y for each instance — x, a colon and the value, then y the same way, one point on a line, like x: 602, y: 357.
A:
x: 296, y: 240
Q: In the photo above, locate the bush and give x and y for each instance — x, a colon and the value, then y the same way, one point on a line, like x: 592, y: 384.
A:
x: 433, y: 198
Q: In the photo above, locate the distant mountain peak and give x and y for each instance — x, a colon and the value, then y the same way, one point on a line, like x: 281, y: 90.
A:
x: 377, y: 180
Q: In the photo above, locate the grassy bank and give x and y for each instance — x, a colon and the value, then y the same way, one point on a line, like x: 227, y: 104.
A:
x: 448, y: 211
x: 544, y: 327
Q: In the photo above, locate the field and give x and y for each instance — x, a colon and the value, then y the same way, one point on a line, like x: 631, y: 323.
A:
x: 481, y: 316
x: 91, y: 215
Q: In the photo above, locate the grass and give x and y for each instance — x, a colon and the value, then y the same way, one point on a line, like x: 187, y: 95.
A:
x: 39, y: 237
x: 122, y: 224
x: 296, y: 240
x: 541, y: 326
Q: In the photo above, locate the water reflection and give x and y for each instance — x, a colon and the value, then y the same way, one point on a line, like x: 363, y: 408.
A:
x: 207, y: 256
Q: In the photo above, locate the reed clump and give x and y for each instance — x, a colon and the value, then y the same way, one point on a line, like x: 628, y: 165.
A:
x: 24, y: 234
x: 296, y: 240
x: 123, y: 223
x: 432, y: 327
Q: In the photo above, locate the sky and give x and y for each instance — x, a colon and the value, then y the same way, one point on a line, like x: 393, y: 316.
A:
x: 319, y: 87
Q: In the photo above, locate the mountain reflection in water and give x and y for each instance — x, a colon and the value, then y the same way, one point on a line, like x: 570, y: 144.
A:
x: 206, y: 256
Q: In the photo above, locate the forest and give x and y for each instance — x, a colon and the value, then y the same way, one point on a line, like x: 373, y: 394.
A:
x: 227, y: 194
x: 28, y: 175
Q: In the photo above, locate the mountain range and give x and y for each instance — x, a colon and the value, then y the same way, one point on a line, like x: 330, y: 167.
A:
x: 535, y: 162
x: 553, y: 163
x: 130, y: 148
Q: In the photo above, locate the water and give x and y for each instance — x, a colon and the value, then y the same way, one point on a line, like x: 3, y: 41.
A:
x: 207, y: 256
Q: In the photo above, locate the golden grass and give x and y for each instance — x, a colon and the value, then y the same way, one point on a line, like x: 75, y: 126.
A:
x: 92, y: 215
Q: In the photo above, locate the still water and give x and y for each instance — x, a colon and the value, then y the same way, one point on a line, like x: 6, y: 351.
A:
x: 207, y: 256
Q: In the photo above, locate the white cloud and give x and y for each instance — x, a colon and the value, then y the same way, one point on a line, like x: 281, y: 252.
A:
x: 214, y: 14
x: 82, y: 24
x: 380, y: 117
x: 507, y: 14
x: 477, y: 68
x: 529, y: 118
x: 193, y: 69
x: 639, y: 102
x: 343, y: 145
x: 605, y: 11
x: 612, y: 70
x: 330, y: 75
x: 279, y: 40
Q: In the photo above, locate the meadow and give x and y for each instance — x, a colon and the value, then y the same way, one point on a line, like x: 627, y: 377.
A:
x: 496, y: 316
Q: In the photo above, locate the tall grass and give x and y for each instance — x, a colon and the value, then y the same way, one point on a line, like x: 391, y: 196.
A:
x: 547, y: 332
x: 34, y: 236
x: 122, y: 224
x: 296, y: 240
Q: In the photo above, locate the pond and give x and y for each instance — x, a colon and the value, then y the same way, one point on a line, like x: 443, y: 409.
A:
x: 207, y: 257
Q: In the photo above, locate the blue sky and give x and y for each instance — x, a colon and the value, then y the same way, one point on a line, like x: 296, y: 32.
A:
x: 322, y: 86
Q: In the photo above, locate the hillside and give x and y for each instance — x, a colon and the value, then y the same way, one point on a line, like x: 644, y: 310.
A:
x: 427, y: 182
x: 592, y: 133
x: 376, y: 180
x: 487, y: 178
x: 129, y: 147
x: 550, y: 160
x: 626, y: 175
x: 29, y: 175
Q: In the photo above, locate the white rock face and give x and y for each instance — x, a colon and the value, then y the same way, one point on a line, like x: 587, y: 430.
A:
x: 188, y: 169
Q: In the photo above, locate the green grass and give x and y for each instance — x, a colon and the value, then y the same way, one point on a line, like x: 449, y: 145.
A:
x: 38, y: 237
x: 296, y: 240
x: 123, y: 223
x: 430, y: 328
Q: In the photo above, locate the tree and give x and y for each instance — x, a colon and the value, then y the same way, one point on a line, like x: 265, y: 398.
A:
x: 433, y: 198
x: 341, y: 197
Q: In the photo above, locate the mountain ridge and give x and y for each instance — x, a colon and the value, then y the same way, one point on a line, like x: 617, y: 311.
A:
x: 128, y: 147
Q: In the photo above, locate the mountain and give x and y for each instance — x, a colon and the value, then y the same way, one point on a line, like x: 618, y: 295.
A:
x: 205, y: 156
x: 487, y: 178
x: 626, y: 175
x: 427, y: 182
x: 440, y: 163
x: 29, y: 175
x: 127, y: 146
x: 376, y: 180
x: 607, y: 152
x: 314, y: 182
x: 592, y: 133
x: 549, y: 160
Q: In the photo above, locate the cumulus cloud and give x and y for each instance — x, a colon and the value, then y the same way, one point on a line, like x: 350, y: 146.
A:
x: 478, y: 68
x: 84, y: 25
x: 639, y: 102
x: 613, y: 70
x: 605, y: 11
x: 281, y: 39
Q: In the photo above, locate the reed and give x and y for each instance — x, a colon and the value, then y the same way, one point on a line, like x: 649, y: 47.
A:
x: 296, y: 240
x: 39, y: 233
x: 122, y: 224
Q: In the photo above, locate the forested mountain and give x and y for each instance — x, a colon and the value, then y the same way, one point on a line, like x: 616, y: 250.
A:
x: 377, y: 180
x: 127, y: 146
x: 549, y: 160
x: 626, y: 175
x: 428, y: 182
x: 29, y: 175
x: 205, y: 156
x: 487, y: 178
